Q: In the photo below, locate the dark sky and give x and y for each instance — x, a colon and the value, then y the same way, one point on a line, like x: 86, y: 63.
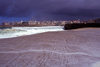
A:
x: 49, y: 9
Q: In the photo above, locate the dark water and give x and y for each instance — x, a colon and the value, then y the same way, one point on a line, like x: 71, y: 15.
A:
x: 5, y: 27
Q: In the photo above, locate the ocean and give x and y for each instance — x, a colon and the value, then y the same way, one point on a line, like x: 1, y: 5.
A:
x: 10, y: 32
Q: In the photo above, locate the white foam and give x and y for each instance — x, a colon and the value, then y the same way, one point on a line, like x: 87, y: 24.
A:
x: 30, y: 30
x: 47, y: 51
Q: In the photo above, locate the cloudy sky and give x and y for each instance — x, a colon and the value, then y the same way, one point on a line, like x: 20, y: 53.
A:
x: 49, y: 9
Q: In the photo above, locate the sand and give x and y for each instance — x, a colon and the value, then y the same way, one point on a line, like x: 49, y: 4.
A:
x: 71, y: 48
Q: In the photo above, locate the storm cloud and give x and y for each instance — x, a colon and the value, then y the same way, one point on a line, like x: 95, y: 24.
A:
x: 49, y: 8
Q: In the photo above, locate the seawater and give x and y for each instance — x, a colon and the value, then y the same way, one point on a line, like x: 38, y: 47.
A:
x: 9, y: 32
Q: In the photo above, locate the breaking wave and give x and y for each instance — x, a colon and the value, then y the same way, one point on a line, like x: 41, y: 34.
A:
x: 21, y: 31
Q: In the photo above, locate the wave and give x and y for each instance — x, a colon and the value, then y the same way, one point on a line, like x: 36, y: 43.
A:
x: 21, y: 31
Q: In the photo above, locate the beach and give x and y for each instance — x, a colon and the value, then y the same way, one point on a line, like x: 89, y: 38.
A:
x: 70, y: 48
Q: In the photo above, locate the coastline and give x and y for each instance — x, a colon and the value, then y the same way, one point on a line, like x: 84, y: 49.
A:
x: 72, y: 48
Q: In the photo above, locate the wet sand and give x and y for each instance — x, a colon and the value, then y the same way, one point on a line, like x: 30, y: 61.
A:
x: 72, y: 48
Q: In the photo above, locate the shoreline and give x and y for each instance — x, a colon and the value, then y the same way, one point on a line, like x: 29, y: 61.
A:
x: 23, y: 31
x: 76, y: 30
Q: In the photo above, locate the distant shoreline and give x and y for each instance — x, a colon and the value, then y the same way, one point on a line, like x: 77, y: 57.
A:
x: 28, y: 26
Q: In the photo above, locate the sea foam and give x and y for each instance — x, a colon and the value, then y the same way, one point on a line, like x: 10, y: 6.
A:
x: 22, y: 31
